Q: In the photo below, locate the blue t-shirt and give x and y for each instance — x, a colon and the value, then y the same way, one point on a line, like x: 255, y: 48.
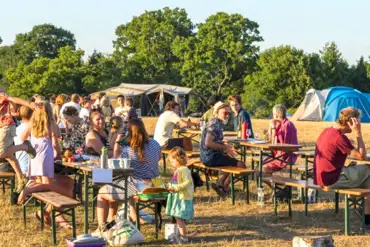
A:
x: 148, y: 169
x: 21, y: 156
x: 242, y: 117
x: 213, y: 127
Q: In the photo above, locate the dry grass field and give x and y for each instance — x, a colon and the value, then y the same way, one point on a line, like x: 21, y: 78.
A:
x: 217, y: 223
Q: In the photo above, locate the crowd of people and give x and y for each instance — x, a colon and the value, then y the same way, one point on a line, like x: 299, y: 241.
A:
x: 34, y: 134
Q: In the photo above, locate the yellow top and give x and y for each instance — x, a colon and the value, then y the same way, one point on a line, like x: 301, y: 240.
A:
x: 185, y: 185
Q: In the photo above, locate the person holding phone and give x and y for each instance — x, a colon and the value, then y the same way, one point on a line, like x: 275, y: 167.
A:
x: 332, y: 149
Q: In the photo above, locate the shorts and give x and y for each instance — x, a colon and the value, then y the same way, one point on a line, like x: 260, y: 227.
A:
x: 7, y: 134
x: 134, y: 186
x: 357, y: 176
x: 221, y: 159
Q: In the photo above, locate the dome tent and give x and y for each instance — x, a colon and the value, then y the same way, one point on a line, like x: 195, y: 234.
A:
x: 325, y: 105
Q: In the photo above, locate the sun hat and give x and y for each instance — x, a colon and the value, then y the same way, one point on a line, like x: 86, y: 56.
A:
x: 219, y: 105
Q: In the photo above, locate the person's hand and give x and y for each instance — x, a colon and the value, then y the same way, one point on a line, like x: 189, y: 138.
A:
x: 171, y: 190
x: 33, y: 105
x: 274, y: 123
x: 230, y: 151
x: 355, y: 126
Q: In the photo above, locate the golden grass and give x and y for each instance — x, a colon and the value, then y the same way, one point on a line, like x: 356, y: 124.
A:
x: 217, y: 223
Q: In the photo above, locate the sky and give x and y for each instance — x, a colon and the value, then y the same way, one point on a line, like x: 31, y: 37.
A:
x: 307, y: 25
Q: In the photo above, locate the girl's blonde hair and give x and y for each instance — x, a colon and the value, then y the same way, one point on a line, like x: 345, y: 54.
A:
x: 42, y: 118
x: 178, y: 154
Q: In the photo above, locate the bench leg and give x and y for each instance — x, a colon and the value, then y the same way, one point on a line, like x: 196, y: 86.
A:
x: 206, y: 174
x: 290, y: 201
x: 346, y: 216
x: 363, y: 215
x: 12, y: 185
x: 42, y: 215
x: 156, y: 219
x: 252, y: 167
x: 94, y: 202
x: 73, y: 223
x: 3, y: 182
x: 232, y: 189
x: 164, y: 162
x: 244, y: 183
x: 336, y: 202
x: 275, y: 199
x: 137, y: 204
x: 53, y: 227
x: 302, y: 191
x: 24, y: 215
x: 247, y: 185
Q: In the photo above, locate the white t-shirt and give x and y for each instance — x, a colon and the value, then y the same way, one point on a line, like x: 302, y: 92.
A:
x: 21, y: 156
x: 84, y: 113
x: 164, y: 127
x: 119, y: 111
x: 70, y: 103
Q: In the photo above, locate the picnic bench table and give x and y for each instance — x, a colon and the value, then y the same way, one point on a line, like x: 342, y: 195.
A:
x: 265, y: 150
x: 193, y: 133
x: 86, y: 171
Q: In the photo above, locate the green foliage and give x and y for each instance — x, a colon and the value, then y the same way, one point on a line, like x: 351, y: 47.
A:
x: 282, y: 78
x: 143, y: 46
x: 46, y: 76
x: 219, y: 56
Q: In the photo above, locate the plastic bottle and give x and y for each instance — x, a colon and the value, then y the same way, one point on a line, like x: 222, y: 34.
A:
x: 261, y: 197
x: 239, y: 130
x: 104, y: 158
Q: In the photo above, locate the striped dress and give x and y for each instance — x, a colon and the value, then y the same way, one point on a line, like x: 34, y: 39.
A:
x: 146, y: 170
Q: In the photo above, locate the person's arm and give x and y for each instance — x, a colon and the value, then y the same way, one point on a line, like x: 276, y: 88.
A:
x: 20, y: 101
x: 360, y: 152
x: 94, y: 143
x: 55, y: 135
x: 209, y: 143
x: 26, y: 133
x: 186, y: 180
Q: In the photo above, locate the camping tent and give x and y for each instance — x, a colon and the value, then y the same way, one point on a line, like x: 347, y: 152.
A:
x: 152, y: 96
x: 325, y: 105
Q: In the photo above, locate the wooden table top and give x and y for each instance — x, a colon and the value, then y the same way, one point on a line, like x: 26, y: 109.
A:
x: 305, y: 154
x: 89, y: 167
x: 198, y: 132
x: 269, y: 146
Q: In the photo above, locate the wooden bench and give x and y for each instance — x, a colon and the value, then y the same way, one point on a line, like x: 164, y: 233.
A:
x: 353, y: 198
x: 8, y: 179
x: 60, y: 204
x: 236, y: 173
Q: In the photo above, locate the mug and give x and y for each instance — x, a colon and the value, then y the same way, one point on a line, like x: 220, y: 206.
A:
x: 114, y: 163
x: 125, y: 163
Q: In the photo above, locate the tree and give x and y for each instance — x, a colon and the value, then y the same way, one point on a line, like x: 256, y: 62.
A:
x: 335, y: 67
x: 143, y: 46
x: 46, y: 76
x: 282, y: 78
x: 101, y: 73
x: 43, y: 41
x: 222, y: 53
x: 9, y: 58
x: 358, y: 76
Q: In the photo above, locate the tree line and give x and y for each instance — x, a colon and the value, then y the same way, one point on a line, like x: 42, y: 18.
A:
x: 218, y: 56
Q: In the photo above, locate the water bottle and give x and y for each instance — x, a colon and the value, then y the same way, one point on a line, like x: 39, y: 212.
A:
x: 311, y: 196
x: 104, y: 158
x: 261, y: 197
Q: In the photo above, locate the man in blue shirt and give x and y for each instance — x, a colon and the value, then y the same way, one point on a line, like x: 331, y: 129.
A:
x: 241, y: 115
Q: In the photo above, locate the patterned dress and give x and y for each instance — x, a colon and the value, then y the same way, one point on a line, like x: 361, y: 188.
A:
x: 75, y: 139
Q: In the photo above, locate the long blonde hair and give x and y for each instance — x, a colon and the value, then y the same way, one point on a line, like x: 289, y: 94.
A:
x: 137, y: 137
x: 42, y: 119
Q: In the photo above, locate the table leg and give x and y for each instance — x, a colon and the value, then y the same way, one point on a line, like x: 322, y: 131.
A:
x: 346, y: 216
x: 260, y: 170
x: 232, y: 189
x: 86, y: 204
x: 126, y: 199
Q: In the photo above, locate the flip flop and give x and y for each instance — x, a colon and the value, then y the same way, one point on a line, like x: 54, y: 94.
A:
x: 219, y: 190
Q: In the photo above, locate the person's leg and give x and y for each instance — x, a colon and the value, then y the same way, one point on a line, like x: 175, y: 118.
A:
x: 46, y: 180
x: 182, y: 227
x: 16, y: 167
x: 226, y: 182
x: 113, y: 208
x: 102, y: 208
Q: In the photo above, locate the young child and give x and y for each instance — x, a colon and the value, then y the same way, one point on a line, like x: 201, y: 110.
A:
x: 180, y: 200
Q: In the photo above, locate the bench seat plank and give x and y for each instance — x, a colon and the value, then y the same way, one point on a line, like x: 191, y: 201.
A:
x: 56, y: 200
x: 7, y: 174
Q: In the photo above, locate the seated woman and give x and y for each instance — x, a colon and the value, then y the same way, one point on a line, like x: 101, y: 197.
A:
x: 145, y: 154
x: 75, y: 137
x: 213, y: 152
x: 98, y: 136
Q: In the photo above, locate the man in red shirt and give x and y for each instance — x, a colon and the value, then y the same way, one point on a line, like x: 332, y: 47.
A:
x: 332, y: 149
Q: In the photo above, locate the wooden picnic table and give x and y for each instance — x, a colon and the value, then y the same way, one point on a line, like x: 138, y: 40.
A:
x: 86, y: 170
x: 192, y: 133
x: 265, y: 150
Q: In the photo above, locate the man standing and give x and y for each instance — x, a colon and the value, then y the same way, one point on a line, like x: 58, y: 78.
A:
x: 241, y: 115
x: 332, y: 149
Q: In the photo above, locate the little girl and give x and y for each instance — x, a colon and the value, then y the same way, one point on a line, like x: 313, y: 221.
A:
x: 180, y: 201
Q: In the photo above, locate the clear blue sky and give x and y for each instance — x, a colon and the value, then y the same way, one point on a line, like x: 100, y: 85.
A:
x: 304, y: 24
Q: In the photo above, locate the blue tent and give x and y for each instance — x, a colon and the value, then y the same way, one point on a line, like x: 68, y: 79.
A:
x: 325, y: 105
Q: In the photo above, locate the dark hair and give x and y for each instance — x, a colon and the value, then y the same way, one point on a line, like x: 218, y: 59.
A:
x: 235, y: 98
x: 85, y: 100
x: 25, y: 112
x: 129, y: 101
x: 170, y: 106
x: 120, y: 96
x: 101, y: 95
x: 53, y: 98
x: 213, y: 100
x: 70, y: 111
x: 116, y: 122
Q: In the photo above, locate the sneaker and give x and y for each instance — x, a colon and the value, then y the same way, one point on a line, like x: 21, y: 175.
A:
x: 219, y: 190
x: 30, y: 150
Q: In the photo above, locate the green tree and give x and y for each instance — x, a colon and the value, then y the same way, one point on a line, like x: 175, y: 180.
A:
x: 317, y: 71
x: 9, y: 57
x: 43, y: 41
x: 282, y: 78
x: 335, y: 66
x: 220, y: 55
x: 143, y: 46
x: 358, y: 76
x: 46, y: 76
x: 101, y: 73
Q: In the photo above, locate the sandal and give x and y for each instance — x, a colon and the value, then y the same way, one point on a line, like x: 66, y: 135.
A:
x: 219, y: 190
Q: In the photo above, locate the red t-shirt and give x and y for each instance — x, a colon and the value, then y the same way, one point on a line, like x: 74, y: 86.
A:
x: 331, y: 152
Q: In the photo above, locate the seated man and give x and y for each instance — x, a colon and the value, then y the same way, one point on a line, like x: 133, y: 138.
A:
x: 215, y: 153
x: 208, y: 115
x: 332, y: 149
x: 283, y: 131
x: 241, y: 115
x: 166, y: 123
